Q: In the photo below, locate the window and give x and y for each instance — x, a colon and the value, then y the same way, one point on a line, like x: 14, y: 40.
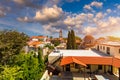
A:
x: 76, y: 66
x: 108, y: 50
x: 88, y: 66
x: 119, y: 50
x: 100, y: 67
x: 100, y: 47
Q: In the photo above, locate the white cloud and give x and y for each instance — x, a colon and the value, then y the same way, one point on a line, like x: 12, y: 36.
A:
x: 49, y: 29
x: 118, y: 6
x: 109, y: 10
x: 88, y: 7
x: 19, y: 1
x: 54, y: 18
x: 99, y: 15
x: 89, y: 30
x: 93, y: 4
x: 96, y: 4
x: 110, y: 25
x: 24, y: 19
x: 72, y: 0
x: 48, y: 14
x: 77, y: 20
x: 3, y: 11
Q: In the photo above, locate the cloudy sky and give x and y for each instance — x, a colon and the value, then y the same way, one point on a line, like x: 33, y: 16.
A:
x: 47, y: 17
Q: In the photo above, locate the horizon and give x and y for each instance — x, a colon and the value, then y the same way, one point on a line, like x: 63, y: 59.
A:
x: 99, y: 18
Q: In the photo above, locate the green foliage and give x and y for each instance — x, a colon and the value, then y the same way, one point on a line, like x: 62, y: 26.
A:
x: 11, y: 43
x: 40, y: 60
x: 49, y: 46
x: 51, y: 37
x: 55, y: 42
x: 20, y: 66
x: 25, y: 67
x: 46, y: 59
x: 78, y: 38
x: 11, y: 73
x: 71, y: 43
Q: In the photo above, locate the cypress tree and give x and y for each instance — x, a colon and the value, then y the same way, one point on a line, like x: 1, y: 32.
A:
x: 40, y: 60
x: 73, y: 42
x: 69, y: 40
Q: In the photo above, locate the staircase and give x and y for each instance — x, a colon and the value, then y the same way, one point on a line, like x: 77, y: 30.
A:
x: 54, y: 66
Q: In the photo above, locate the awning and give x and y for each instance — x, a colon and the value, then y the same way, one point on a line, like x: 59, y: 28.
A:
x: 91, y: 60
x: 68, y: 60
x: 116, y: 62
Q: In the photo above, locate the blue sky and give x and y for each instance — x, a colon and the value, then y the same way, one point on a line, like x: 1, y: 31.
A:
x: 47, y: 17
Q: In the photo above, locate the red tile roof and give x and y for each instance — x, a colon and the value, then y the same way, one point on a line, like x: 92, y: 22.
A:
x: 91, y: 60
x: 69, y: 60
x: 38, y: 37
x: 34, y: 43
x: 116, y: 62
x: 96, y: 60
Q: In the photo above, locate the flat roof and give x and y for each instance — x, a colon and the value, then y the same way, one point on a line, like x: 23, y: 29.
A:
x: 89, y: 53
x: 110, y: 43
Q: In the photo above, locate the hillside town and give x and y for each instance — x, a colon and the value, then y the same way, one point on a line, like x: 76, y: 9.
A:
x: 59, y: 39
x: 91, y: 58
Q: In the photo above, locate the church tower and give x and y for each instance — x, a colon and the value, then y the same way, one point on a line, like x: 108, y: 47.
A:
x: 60, y: 34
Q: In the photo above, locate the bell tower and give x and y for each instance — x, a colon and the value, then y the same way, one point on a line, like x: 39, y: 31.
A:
x: 60, y: 34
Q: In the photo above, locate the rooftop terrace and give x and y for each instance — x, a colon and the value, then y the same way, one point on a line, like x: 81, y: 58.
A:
x: 86, y: 53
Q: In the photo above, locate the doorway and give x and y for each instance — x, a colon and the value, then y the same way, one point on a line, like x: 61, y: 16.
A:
x: 68, y: 67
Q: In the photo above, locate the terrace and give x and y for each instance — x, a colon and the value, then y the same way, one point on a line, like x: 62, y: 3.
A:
x: 81, y: 76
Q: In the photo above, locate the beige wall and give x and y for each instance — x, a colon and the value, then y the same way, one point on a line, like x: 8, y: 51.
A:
x: 94, y: 68
x: 45, y: 76
x: 45, y: 51
x: 116, y: 71
x: 114, y: 51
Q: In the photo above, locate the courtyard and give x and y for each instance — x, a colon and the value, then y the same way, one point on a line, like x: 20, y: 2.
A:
x: 82, y: 76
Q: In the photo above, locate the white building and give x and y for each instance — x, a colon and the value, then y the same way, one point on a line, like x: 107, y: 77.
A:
x: 104, y: 59
x: 111, y: 48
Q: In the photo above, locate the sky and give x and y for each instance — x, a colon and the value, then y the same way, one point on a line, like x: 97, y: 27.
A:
x: 48, y: 17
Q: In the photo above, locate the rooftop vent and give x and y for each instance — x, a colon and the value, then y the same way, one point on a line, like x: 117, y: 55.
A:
x: 56, y: 51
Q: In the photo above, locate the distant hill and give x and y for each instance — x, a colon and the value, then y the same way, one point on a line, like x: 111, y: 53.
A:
x: 112, y: 38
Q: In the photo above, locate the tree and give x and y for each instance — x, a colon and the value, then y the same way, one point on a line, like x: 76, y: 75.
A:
x: 11, y: 43
x: 88, y: 41
x: 11, y: 73
x: 32, y: 67
x: 40, y: 59
x: 78, y: 38
x: 49, y: 46
x: 55, y: 42
x: 71, y: 42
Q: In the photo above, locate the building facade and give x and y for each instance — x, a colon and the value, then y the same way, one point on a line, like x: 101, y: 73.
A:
x: 105, y: 58
x: 112, y: 49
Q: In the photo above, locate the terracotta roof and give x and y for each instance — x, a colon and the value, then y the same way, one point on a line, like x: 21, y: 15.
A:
x: 38, y: 37
x: 116, y: 62
x: 34, y: 43
x: 91, y: 60
x: 69, y: 60
x: 96, y: 60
